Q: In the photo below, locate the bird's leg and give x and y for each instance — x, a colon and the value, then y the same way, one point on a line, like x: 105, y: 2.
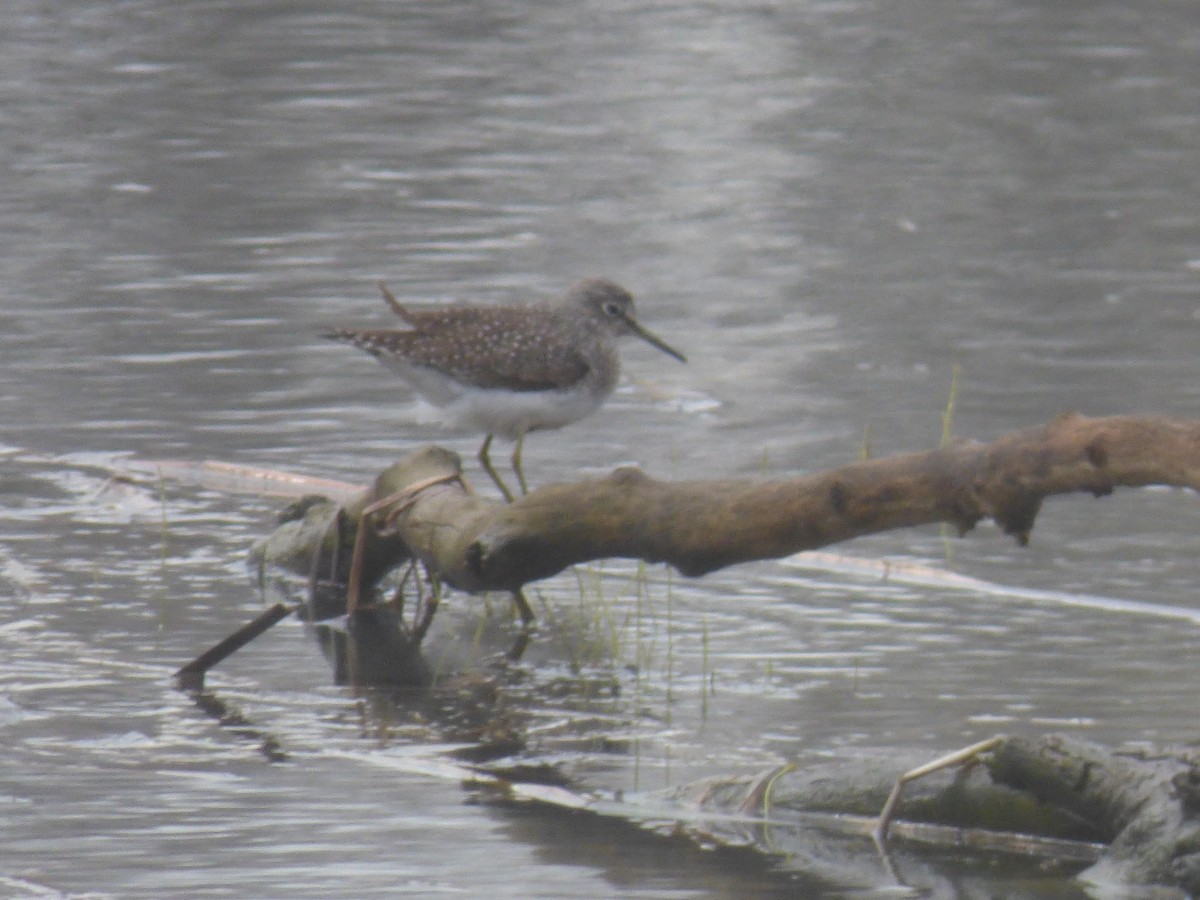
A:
x: 528, y: 617
x: 516, y: 464
x: 485, y: 460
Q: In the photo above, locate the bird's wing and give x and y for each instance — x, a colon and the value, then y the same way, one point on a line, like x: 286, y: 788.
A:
x: 533, y: 368
x: 485, y: 347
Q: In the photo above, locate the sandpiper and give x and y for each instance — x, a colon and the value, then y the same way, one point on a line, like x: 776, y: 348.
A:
x: 509, y: 370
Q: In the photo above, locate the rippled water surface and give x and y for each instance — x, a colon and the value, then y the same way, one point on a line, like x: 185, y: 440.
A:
x: 829, y: 206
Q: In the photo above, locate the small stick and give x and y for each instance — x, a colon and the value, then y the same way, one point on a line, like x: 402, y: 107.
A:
x: 191, y: 676
x: 403, y: 499
x: 958, y: 757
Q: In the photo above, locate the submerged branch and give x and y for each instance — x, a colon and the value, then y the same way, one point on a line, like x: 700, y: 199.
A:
x: 1132, y: 818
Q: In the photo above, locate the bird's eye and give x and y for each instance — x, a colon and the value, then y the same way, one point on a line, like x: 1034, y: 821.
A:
x: 612, y: 309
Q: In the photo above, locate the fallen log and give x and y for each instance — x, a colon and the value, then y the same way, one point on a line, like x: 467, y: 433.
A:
x: 477, y: 544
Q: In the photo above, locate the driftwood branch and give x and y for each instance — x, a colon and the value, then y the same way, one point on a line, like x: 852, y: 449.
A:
x: 477, y: 544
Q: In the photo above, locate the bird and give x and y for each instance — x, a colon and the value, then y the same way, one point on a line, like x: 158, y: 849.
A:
x: 510, y: 370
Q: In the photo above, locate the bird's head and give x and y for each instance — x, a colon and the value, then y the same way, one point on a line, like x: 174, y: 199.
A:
x: 611, y: 306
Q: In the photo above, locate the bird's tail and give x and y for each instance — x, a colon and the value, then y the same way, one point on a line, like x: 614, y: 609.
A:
x: 395, y: 304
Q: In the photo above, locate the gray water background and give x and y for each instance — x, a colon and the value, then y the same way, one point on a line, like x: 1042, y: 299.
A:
x: 827, y: 205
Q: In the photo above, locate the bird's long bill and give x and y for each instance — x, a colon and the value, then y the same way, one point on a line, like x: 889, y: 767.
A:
x: 654, y: 340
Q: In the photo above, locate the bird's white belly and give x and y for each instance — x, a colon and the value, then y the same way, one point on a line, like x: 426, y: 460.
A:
x: 495, y: 411
x: 511, y: 414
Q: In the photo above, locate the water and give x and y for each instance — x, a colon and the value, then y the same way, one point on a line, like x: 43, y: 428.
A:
x: 827, y: 206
